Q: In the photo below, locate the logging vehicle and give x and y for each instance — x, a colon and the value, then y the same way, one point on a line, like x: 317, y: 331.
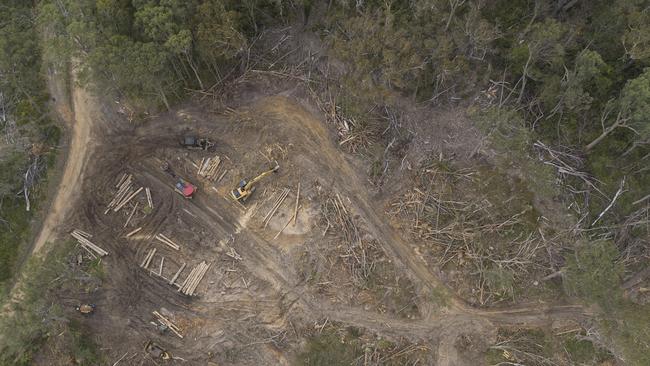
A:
x: 182, y: 186
x: 156, y: 351
x: 247, y: 187
x: 85, y: 309
x: 195, y: 143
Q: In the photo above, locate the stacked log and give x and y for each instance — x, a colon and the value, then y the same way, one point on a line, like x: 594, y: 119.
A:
x: 194, y: 278
x: 168, y: 323
x: 127, y: 199
x: 124, y: 194
x: 209, y: 168
x: 83, y: 240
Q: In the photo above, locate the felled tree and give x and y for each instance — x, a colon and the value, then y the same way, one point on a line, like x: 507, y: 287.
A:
x: 633, y: 110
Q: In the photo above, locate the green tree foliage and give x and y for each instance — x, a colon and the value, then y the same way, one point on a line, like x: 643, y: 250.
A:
x: 382, y: 55
x: 409, y: 47
x: 161, y: 45
x: 140, y: 70
x: 588, y: 81
x: 217, y: 36
x: 633, y: 108
x: 24, y: 123
x: 635, y: 103
x: 636, y: 39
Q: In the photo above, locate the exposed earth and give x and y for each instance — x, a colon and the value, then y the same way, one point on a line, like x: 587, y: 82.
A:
x: 264, y: 293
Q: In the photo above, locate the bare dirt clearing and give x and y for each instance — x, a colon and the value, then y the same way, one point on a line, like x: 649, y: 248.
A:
x: 266, y: 289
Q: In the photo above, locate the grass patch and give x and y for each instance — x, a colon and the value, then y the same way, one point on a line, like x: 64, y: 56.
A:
x: 96, y: 269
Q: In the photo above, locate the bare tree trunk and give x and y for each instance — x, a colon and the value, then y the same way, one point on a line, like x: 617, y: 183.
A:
x: 454, y: 4
x: 189, y: 61
x: 524, y: 76
x: 606, y: 132
x: 163, y: 97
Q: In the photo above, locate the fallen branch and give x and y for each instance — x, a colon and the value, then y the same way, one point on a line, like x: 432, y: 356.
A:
x: 287, y: 224
x: 618, y: 193
x: 233, y: 254
x: 295, y: 211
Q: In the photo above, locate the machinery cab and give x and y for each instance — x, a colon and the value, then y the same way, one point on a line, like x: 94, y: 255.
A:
x: 193, y: 142
x: 156, y: 351
x: 240, y: 193
x: 185, y: 189
x: 86, y: 309
x: 246, y: 188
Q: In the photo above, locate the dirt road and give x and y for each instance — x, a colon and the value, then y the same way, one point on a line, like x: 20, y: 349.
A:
x: 80, y: 123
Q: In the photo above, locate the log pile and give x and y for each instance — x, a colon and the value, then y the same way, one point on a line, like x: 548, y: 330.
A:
x: 194, y: 278
x: 168, y: 323
x: 83, y: 240
x: 209, y: 167
x: 165, y: 240
x: 125, y: 193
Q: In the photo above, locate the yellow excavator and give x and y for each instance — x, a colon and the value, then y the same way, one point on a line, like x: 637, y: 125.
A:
x: 156, y: 351
x: 246, y: 188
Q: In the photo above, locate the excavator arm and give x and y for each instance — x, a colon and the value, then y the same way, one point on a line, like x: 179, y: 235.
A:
x: 250, y: 184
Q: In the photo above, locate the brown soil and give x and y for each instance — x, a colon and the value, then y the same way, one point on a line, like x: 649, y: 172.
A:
x: 243, y: 305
